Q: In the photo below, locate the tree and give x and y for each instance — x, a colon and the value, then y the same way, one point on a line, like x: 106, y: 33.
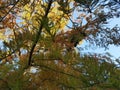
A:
x: 39, y: 53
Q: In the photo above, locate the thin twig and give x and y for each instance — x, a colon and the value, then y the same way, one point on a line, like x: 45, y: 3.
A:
x: 1, y: 19
x: 4, y: 57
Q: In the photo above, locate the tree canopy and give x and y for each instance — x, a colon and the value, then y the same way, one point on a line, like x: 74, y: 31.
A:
x: 39, y: 40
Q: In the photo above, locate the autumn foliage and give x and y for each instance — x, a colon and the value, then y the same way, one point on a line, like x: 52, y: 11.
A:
x: 39, y: 39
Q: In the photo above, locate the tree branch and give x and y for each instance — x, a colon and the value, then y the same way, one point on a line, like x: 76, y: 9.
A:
x: 1, y: 19
x: 58, y: 71
x: 39, y: 33
x: 6, y: 56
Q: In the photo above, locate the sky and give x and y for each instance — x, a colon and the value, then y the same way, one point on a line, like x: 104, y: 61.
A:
x: 113, y: 50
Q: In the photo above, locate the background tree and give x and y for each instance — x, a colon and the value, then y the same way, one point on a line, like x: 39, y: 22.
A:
x: 38, y: 49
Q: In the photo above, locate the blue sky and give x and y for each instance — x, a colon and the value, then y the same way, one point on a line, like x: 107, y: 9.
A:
x: 113, y: 50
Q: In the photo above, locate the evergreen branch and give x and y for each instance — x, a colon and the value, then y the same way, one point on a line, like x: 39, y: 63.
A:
x: 53, y: 59
x: 57, y: 71
x: 58, y: 83
x: 39, y: 33
x: 5, y: 82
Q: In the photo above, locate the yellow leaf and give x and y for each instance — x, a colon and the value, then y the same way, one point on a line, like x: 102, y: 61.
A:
x: 81, y: 42
x: 2, y: 37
